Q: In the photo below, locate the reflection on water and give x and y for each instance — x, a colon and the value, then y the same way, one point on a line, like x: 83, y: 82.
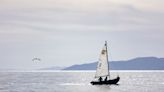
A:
x: 79, y: 82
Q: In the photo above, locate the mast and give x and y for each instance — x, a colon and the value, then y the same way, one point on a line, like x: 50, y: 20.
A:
x: 107, y: 56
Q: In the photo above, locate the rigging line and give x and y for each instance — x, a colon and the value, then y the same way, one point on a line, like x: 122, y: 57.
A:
x: 106, y: 46
x: 109, y: 53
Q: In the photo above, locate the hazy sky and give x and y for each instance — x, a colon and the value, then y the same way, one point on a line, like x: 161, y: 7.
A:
x: 67, y: 32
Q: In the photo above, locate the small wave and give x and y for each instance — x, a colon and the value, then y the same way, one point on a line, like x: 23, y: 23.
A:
x: 71, y: 84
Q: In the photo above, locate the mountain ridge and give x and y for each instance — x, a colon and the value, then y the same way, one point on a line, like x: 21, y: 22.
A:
x: 139, y: 63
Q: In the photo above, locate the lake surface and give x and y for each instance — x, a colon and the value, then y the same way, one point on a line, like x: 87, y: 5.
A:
x: 62, y: 81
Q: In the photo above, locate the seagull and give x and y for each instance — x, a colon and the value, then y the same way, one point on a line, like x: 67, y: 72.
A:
x: 36, y: 59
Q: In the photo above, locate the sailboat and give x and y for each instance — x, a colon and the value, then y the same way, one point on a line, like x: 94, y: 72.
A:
x: 102, y: 72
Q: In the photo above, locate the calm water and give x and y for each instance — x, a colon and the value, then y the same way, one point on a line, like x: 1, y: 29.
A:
x: 79, y: 82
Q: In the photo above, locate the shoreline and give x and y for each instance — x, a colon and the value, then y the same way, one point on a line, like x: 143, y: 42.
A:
x: 80, y: 71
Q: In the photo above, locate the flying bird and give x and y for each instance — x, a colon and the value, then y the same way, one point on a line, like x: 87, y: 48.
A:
x: 36, y: 59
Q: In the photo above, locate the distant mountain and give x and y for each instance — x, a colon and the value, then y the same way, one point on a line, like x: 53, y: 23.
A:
x: 141, y: 63
x: 52, y: 68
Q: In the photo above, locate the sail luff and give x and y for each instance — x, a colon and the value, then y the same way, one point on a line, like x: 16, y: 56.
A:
x: 107, y: 57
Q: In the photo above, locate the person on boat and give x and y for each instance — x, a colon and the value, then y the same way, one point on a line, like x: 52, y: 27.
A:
x: 100, y: 79
x: 106, y: 78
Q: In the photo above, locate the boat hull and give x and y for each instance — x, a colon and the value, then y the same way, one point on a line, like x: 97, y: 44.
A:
x: 108, y: 82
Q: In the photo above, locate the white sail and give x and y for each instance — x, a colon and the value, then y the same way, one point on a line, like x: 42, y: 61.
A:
x: 102, y: 67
